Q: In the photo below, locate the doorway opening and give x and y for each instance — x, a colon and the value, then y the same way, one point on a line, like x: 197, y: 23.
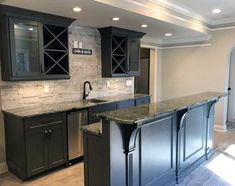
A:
x: 142, y: 81
x: 231, y: 90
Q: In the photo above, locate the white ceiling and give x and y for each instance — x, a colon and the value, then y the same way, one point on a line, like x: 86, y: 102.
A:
x: 179, y: 17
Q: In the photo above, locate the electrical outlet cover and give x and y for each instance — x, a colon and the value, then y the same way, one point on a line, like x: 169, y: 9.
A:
x: 129, y: 82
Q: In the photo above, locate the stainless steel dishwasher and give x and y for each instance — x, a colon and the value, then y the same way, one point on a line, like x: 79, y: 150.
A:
x: 75, y: 120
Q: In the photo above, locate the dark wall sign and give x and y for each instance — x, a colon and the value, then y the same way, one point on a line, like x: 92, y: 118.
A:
x: 82, y: 51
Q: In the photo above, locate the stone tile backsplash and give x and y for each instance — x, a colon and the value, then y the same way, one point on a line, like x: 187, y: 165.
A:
x: 82, y: 68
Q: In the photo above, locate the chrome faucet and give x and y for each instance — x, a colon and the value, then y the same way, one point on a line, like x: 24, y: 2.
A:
x: 85, y: 95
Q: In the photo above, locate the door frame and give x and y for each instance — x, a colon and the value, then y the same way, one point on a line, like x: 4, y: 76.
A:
x: 227, y: 84
x: 154, y: 72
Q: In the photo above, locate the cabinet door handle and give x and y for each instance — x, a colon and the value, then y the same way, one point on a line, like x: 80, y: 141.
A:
x: 46, y: 134
x: 49, y: 131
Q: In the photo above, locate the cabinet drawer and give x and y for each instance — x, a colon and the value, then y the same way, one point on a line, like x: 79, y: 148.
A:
x: 125, y: 104
x: 42, y: 120
x: 142, y: 101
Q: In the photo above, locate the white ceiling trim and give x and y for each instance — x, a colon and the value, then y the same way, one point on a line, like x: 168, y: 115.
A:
x: 156, y: 11
x: 185, y: 45
x: 180, y: 10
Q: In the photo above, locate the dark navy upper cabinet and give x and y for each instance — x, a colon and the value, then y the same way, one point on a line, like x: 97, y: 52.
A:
x: 34, y: 45
x: 120, y: 51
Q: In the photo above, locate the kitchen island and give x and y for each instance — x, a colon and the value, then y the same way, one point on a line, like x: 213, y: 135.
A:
x: 153, y: 144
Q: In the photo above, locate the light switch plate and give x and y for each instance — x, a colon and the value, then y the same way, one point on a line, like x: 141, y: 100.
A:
x: 46, y: 88
x: 129, y: 82
x: 107, y: 84
x: 75, y: 44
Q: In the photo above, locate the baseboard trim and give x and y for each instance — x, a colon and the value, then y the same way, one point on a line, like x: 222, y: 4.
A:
x: 3, y: 167
x: 220, y: 128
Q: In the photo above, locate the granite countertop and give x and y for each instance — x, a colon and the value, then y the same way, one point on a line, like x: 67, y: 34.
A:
x: 95, y: 128
x: 148, y: 111
x: 40, y: 109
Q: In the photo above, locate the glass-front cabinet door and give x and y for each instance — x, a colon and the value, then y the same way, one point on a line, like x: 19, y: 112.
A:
x: 25, y: 48
x: 134, y: 56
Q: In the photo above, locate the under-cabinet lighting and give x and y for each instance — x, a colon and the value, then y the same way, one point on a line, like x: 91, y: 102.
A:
x: 30, y: 29
x: 77, y: 9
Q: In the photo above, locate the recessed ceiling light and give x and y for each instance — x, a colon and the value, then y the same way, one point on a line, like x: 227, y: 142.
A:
x: 168, y: 34
x: 115, y: 18
x: 216, y: 11
x: 77, y: 9
x: 30, y: 29
x: 144, y: 26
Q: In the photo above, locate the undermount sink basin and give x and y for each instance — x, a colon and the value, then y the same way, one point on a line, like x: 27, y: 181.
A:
x: 96, y: 100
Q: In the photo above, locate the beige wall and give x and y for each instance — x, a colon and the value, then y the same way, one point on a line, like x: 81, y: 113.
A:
x: 82, y: 68
x: 190, y: 70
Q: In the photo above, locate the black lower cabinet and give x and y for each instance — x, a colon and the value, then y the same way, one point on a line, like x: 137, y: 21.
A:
x: 125, y: 104
x: 92, y: 111
x: 131, y: 155
x: 195, y: 137
x: 142, y: 100
x: 36, y: 151
x: 40, y: 144
x: 160, y: 151
x: 57, y: 146
x: 115, y: 105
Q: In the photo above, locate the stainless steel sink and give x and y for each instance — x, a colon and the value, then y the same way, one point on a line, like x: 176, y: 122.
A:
x: 96, y: 100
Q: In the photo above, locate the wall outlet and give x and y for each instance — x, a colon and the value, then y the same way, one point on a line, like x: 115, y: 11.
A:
x: 79, y: 44
x: 46, y: 88
x: 107, y: 84
x: 129, y: 82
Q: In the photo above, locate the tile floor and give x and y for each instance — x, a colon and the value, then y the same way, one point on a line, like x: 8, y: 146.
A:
x: 219, y: 171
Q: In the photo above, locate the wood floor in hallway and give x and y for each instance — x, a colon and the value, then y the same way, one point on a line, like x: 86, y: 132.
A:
x: 219, y: 171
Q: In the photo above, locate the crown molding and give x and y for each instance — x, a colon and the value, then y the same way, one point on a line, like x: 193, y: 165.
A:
x: 186, y: 45
x: 177, y: 41
x: 179, y: 9
x: 210, y: 24
x: 176, y: 45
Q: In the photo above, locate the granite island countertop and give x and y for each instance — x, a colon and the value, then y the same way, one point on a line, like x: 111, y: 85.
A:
x: 158, y: 109
x: 40, y: 109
